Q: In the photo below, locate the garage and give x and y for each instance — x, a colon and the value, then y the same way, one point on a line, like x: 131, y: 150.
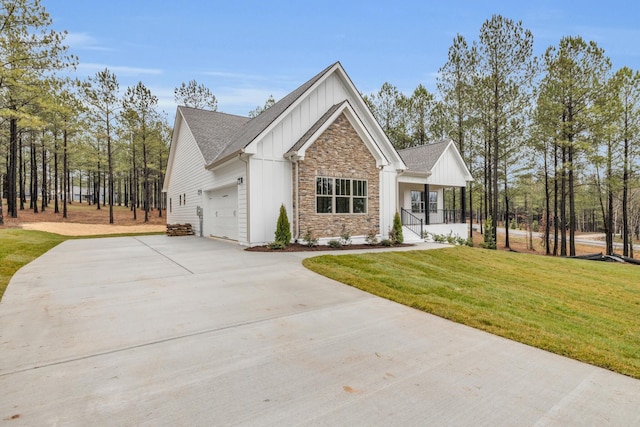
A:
x: 223, y: 212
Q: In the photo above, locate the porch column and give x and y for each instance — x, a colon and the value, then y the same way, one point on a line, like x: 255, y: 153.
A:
x: 426, y: 204
x: 463, y: 204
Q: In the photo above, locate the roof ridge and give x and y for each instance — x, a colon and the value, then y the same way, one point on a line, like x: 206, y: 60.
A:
x: 185, y: 107
x: 255, y: 126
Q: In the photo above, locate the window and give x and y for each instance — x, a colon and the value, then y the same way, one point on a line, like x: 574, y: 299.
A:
x: 324, y: 193
x: 417, y: 201
x: 341, y: 196
x: 433, y: 201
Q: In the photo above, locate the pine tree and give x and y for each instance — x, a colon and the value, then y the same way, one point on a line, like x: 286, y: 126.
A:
x: 283, y: 229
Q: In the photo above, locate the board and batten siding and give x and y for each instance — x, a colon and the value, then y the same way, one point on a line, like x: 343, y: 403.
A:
x: 228, y: 175
x: 448, y: 172
x: 271, y: 174
x: 188, y: 175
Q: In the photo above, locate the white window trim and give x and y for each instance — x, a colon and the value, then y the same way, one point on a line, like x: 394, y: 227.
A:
x: 334, y: 196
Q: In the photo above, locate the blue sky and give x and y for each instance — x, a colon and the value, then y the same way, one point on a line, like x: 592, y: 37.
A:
x: 246, y: 50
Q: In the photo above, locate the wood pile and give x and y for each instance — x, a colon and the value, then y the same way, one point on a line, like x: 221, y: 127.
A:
x: 179, y: 230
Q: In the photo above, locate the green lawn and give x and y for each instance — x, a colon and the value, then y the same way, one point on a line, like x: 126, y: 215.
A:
x: 586, y: 310
x: 20, y: 247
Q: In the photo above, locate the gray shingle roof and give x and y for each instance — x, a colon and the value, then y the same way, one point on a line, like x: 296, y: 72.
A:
x: 317, y: 125
x: 258, y: 124
x: 423, y: 157
x: 211, y: 129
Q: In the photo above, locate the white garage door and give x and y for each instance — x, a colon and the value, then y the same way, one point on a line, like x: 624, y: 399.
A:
x: 223, y: 205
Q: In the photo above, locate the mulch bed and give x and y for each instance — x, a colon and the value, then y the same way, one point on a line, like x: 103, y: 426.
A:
x: 298, y: 247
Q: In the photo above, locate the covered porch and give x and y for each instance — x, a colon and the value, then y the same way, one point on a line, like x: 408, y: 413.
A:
x: 432, y: 169
x: 422, y: 209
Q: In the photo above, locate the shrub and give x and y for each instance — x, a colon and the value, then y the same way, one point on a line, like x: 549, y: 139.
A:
x: 392, y: 235
x: 439, y: 238
x: 371, y: 238
x: 334, y: 243
x: 489, y: 236
x: 277, y: 245
x: 309, y: 239
x: 283, y: 229
x: 397, y: 226
x: 386, y: 242
x: 345, y: 236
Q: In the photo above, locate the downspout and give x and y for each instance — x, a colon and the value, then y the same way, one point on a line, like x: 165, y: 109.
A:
x: 248, y: 194
x: 297, y: 202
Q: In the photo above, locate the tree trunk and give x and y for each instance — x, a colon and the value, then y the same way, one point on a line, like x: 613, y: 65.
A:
x: 12, y: 196
x: 56, y: 186
x: 65, y: 173
x: 146, y: 180
x: 21, y: 175
x: 45, y: 199
x: 563, y: 205
x: 625, y: 202
x: 547, y: 196
x: 572, y: 204
x: 33, y: 199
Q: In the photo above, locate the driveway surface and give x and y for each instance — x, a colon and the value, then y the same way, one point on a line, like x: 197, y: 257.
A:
x: 187, y: 331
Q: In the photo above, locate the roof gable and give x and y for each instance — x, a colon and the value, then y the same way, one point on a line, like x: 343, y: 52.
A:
x: 211, y: 129
x: 254, y: 127
x: 441, y: 160
x: 299, y: 148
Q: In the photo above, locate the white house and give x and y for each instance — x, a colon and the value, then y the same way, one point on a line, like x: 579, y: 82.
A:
x: 318, y: 151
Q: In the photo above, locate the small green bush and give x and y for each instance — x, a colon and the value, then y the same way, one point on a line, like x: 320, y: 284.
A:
x: 397, y: 226
x: 386, y: 242
x: 309, y: 239
x: 277, y: 245
x: 489, y: 236
x: 371, y: 238
x: 345, y: 236
x: 334, y: 243
x: 283, y: 229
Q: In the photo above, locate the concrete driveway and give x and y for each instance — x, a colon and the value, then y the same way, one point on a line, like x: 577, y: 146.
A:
x: 186, y: 331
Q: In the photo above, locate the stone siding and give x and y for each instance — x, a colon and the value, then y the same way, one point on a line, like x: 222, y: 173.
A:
x: 337, y: 153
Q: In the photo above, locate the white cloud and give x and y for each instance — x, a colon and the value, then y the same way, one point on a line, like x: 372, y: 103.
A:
x: 84, y: 41
x: 119, y: 70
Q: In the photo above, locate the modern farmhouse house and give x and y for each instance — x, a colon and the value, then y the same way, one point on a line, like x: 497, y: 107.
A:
x: 318, y: 151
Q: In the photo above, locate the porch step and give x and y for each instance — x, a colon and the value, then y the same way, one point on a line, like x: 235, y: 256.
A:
x: 410, y: 236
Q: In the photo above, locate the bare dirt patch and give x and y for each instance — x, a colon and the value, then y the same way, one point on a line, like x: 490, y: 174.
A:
x: 85, y: 220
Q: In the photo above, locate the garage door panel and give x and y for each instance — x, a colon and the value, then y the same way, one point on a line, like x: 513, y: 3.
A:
x: 224, y: 212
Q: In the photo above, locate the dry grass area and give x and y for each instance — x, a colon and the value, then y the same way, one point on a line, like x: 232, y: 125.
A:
x: 521, y: 244
x: 85, y: 220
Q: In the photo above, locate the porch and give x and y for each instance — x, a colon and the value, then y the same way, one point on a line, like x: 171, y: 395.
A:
x: 422, y: 210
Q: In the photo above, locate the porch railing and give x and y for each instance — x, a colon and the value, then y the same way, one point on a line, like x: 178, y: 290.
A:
x: 411, y: 221
x: 440, y: 216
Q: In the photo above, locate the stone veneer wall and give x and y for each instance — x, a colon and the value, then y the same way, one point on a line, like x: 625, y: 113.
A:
x: 337, y: 153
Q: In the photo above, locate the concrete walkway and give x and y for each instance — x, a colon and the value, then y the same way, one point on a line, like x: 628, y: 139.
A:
x: 186, y: 331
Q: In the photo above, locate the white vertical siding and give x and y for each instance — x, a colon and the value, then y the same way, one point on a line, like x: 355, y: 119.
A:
x: 188, y: 175
x: 271, y: 174
x: 448, y: 171
x: 388, y: 197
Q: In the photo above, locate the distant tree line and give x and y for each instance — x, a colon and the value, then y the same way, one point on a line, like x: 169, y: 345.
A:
x: 57, y: 134
x: 552, y: 141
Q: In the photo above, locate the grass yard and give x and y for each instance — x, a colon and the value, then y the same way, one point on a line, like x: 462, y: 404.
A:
x: 20, y: 247
x: 585, y: 310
